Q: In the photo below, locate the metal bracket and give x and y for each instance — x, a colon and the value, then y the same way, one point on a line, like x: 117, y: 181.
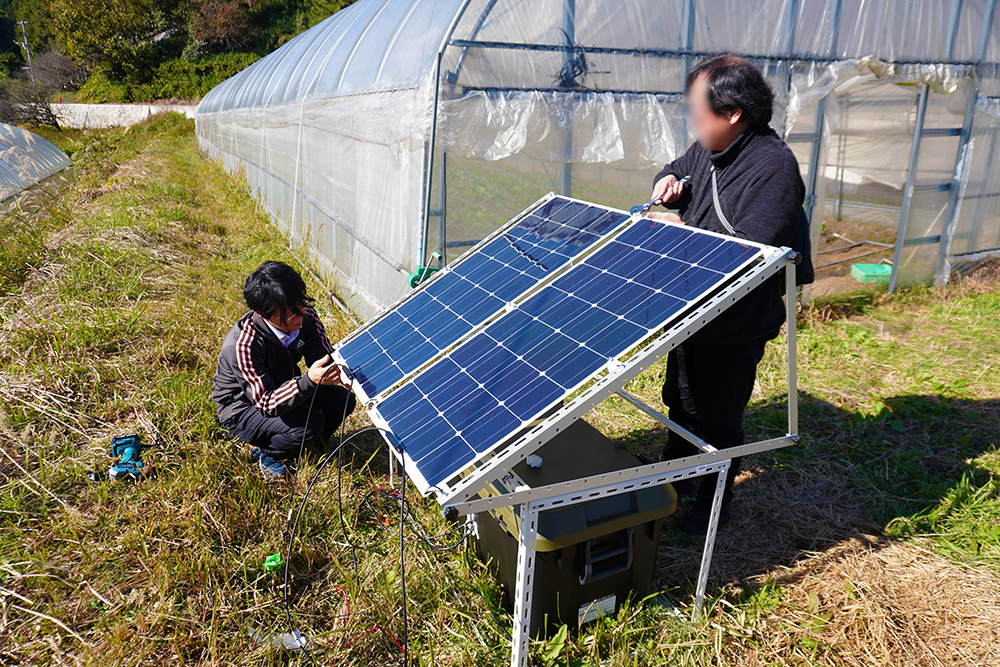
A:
x: 619, y: 481
x: 525, y: 583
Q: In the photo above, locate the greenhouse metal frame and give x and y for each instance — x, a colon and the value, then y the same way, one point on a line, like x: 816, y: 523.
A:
x: 397, y: 128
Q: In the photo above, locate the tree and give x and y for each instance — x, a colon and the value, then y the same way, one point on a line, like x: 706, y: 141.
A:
x: 9, y: 51
x: 223, y: 25
x: 322, y: 9
x: 57, y: 72
x: 24, y: 102
x: 121, y: 36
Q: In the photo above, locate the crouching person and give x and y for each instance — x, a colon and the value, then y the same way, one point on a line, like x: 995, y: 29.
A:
x: 260, y: 393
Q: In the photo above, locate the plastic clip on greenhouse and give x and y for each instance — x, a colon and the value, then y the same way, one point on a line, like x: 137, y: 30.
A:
x: 397, y: 128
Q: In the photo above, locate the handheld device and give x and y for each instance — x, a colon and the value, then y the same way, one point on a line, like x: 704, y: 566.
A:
x: 642, y: 208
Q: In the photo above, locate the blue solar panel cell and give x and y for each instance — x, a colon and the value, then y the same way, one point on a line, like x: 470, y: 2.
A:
x: 519, y: 365
x: 474, y: 290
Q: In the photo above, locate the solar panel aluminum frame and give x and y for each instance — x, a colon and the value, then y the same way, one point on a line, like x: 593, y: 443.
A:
x: 459, y: 490
x: 763, y: 269
x: 365, y: 399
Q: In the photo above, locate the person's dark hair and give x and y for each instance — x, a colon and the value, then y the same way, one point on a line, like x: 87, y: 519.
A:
x: 276, y: 287
x: 735, y: 83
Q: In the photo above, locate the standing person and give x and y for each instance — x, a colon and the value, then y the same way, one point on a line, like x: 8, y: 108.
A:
x: 710, y: 377
x: 260, y: 394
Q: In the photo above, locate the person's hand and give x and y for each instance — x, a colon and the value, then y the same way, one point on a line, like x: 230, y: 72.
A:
x: 667, y: 190
x: 325, y: 371
x: 663, y: 216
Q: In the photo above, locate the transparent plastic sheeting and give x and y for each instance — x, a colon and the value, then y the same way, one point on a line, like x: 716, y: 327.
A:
x: 335, y: 130
x: 26, y: 159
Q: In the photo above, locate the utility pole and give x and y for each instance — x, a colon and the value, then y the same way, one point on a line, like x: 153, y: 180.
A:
x: 27, y: 49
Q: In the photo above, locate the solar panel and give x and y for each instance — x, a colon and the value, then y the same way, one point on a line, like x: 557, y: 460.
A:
x: 474, y: 398
x: 474, y: 289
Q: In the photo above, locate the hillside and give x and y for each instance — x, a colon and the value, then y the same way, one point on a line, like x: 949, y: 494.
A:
x: 145, y: 50
x: 874, y: 542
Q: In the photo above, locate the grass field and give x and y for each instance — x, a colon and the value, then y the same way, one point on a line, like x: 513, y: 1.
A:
x: 876, y: 541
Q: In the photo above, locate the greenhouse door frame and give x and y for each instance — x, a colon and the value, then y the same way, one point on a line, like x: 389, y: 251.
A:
x: 686, y: 54
x: 942, y: 269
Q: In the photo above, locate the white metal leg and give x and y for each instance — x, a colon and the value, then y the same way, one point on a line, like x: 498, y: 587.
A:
x: 713, y: 525
x: 525, y: 583
x: 791, y: 332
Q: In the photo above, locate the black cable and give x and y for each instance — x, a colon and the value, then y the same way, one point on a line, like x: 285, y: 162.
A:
x: 305, y: 497
x: 403, y: 511
x: 295, y: 525
x: 422, y: 538
x: 340, y: 503
x: 402, y: 563
x: 291, y: 498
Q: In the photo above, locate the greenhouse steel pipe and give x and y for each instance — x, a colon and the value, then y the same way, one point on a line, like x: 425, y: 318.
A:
x: 851, y: 259
x: 668, y: 96
x: 453, y: 76
x: 989, y: 16
x: 977, y: 217
x: 816, y: 150
x: 674, y: 53
x: 952, y: 209
x: 689, y: 22
x: 943, y: 268
x: 911, y: 170
x: 429, y: 161
x: 569, y: 31
x: 442, y: 211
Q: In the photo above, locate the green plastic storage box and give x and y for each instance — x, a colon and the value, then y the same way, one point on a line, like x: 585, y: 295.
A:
x: 871, y: 273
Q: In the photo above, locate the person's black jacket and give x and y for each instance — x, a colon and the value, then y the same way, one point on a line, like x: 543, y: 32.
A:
x: 256, y: 371
x: 761, y: 193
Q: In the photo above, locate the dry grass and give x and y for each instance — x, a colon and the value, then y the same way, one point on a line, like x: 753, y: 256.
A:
x: 870, y: 602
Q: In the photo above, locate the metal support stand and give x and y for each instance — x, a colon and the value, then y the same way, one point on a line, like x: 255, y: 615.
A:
x: 526, y: 553
x: 713, y: 527
x: 493, y: 483
x: 573, y: 493
x: 525, y: 583
x: 791, y: 349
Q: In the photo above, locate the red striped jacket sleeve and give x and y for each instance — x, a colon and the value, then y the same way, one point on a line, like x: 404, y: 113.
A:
x: 270, y: 400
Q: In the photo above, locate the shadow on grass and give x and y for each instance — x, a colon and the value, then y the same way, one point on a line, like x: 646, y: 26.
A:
x: 878, y: 477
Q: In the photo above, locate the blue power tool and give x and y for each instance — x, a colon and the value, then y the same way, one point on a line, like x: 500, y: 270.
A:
x: 129, y: 466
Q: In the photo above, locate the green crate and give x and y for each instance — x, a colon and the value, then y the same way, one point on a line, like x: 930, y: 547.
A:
x: 871, y: 273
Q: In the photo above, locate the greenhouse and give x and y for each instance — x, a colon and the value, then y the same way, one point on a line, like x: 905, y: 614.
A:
x: 398, y: 133
x: 26, y: 159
